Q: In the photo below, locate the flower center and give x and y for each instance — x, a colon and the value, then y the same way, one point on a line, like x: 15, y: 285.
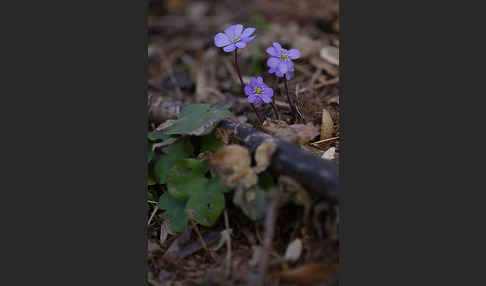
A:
x: 258, y: 90
x: 236, y: 40
x: 284, y: 56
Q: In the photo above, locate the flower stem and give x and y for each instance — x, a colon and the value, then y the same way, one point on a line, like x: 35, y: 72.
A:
x: 288, y: 98
x: 275, y: 109
x: 242, y: 86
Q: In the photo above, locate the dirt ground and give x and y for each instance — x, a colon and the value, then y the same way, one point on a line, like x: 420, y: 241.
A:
x: 185, y: 66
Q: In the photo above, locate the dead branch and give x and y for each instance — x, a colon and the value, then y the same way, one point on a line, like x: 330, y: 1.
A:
x: 318, y: 176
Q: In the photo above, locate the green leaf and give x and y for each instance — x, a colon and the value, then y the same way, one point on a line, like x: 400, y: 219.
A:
x: 150, y: 196
x: 150, y: 151
x: 174, y: 212
x: 206, y: 206
x: 210, y: 143
x: 157, y: 136
x: 198, y: 119
x: 174, y: 153
x: 187, y: 177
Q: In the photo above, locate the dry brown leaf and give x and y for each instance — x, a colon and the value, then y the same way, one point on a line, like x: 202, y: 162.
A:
x: 223, y: 135
x: 263, y: 155
x: 304, y: 132
x: 310, y: 274
x: 299, y: 134
x: 330, y: 54
x: 327, y: 125
x: 233, y: 164
x: 280, y: 129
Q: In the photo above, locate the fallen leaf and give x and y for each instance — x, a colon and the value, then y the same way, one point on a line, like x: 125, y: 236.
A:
x: 280, y: 129
x: 263, y: 155
x: 304, y: 132
x: 294, y: 250
x: 330, y: 54
x: 299, y: 134
x: 330, y: 154
x: 327, y: 125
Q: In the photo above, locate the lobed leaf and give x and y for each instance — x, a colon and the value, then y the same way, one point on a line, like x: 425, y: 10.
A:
x: 198, y: 119
x: 174, y: 153
x: 206, y: 206
x: 174, y: 212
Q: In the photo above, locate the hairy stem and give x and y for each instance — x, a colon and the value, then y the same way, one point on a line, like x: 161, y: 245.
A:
x: 242, y: 86
x: 288, y: 98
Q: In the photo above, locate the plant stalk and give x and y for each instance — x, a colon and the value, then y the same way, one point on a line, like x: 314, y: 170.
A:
x: 243, y: 88
x: 288, y: 98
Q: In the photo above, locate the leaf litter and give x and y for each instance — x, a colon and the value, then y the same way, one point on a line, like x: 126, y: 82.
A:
x: 185, y: 69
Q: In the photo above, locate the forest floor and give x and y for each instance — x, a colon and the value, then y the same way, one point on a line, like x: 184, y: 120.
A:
x: 185, y: 66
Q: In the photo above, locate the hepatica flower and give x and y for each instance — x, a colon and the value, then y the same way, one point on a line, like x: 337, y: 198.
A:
x: 280, y: 61
x: 234, y: 37
x: 257, y: 91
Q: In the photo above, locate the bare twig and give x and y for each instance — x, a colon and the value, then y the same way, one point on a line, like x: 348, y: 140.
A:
x: 201, y: 239
x: 228, y: 244
x: 322, y: 84
x: 270, y: 219
x: 325, y: 140
x: 152, y: 215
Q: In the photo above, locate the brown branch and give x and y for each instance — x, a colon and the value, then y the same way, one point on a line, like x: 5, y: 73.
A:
x: 320, y: 177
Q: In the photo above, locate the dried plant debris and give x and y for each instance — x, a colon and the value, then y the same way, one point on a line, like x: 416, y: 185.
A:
x: 330, y: 54
x: 263, y: 155
x: 205, y: 157
x: 330, y: 154
x: 233, y: 164
x: 299, y: 134
x: 327, y: 125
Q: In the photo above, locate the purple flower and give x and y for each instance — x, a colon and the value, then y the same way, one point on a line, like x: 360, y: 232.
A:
x: 234, y: 37
x: 280, y: 61
x: 257, y: 91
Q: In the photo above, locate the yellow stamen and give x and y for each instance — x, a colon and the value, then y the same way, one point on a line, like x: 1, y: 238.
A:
x: 258, y: 90
x: 284, y: 56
